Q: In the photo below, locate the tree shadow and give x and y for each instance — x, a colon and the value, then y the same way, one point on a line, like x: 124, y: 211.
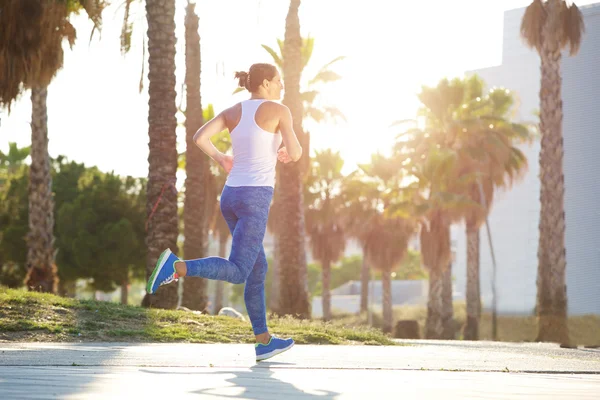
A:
x: 258, y: 383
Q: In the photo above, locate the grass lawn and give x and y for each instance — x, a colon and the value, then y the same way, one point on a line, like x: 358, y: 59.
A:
x: 28, y: 316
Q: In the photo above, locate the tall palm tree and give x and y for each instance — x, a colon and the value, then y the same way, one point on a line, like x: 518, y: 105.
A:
x: 432, y: 156
x: 549, y: 27
x: 311, y: 111
x: 162, y: 228
x: 291, y: 258
x: 323, y: 216
x: 496, y: 162
x: 30, y: 58
x: 197, y: 167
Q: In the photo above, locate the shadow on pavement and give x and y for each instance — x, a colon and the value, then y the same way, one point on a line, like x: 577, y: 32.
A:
x: 258, y: 383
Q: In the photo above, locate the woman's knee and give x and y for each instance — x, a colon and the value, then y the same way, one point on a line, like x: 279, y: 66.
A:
x: 239, y: 279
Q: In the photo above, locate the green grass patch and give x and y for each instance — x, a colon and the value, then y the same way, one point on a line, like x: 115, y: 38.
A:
x: 28, y: 316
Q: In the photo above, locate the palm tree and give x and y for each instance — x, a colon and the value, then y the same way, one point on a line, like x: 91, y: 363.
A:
x: 291, y: 258
x: 496, y: 163
x: 311, y: 111
x: 162, y: 228
x: 433, y: 157
x: 197, y: 167
x: 30, y: 59
x: 550, y: 26
x: 323, y: 216
x: 383, y: 233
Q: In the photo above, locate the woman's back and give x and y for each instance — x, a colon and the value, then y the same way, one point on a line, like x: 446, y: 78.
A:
x: 258, y: 126
x: 255, y: 139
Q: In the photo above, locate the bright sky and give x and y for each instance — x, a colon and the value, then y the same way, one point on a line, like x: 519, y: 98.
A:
x: 97, y: 116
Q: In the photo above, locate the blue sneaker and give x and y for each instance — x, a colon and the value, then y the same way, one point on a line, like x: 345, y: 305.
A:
x: 164, y: 272
x: 275, y: 346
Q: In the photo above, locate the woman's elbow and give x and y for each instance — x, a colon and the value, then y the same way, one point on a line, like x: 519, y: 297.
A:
x: 197, y: 138
x: 297, y: 154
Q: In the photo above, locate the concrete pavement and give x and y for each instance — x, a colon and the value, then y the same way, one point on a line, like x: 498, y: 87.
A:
x: 423, y: 369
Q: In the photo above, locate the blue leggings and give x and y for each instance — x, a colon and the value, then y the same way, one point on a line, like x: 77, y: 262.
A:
x: 246, y: 210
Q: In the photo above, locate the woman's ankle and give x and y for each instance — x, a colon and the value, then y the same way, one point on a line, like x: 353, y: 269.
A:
x: 263, y: 338
x: 180, y: 268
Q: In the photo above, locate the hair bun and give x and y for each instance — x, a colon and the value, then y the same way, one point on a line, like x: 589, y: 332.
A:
x: 243, y: 79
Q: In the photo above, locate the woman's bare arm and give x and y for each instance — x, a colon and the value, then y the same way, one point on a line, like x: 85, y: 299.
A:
x: 290, y: 140
x: 207, y: 131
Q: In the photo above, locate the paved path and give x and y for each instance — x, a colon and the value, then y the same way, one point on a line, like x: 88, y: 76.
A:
x: 422, y: 369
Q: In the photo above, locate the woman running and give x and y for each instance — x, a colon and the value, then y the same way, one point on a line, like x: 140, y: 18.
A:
x: 257, y: 127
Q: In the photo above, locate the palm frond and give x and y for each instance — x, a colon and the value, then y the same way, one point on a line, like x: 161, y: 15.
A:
x: 401, y: 122
x: 94, y: 9
x: 388, y: 243
x: 330, y: 63
x: 573, y: 28
x: 314, y: 113
x: 70, y: 33
x: 532, y: 23
x: 30, y: 45
x: 334, y: 113
x: 308, y: 44
x: 276, y: 57
x: 126, y: 28
x: 280, y: 44
x: 325, y: 76
x: 309, y: 96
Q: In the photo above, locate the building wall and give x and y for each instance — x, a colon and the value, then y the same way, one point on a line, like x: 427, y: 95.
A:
x: 581, y: 130
x: 515, y: 214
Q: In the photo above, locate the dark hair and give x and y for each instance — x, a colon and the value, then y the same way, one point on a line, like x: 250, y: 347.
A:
x: 252, y: 79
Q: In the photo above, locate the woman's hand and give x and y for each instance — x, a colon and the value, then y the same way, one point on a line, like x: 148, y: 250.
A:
x: 283, y: 156
x: 226, y: 162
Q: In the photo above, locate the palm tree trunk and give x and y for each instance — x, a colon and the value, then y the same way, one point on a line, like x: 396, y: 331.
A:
x: 434, y: 327
x: 41, y: 271
x: 364, y: 283
x: 195, y: 227
x: 162, y: 226
x: 551, y: 294
x: 223, y: 239
x: 326, y: 290
x: 436, y: 256
x: 292, y: 250
x: 471, y: 330
x: 124, y: 291
x: 448, y: 311
x: 386, y: 280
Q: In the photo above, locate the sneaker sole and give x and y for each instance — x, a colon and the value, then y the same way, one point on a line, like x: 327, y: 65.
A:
x: 273, y: 353
x: 162, y: 259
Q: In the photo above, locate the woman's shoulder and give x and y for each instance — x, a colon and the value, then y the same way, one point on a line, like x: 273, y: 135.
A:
x: 274, y: 106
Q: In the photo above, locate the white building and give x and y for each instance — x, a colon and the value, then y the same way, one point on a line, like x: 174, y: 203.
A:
x: 515, y: 215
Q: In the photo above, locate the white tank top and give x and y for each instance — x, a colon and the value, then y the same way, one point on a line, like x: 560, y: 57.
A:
x: 254, y: 150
